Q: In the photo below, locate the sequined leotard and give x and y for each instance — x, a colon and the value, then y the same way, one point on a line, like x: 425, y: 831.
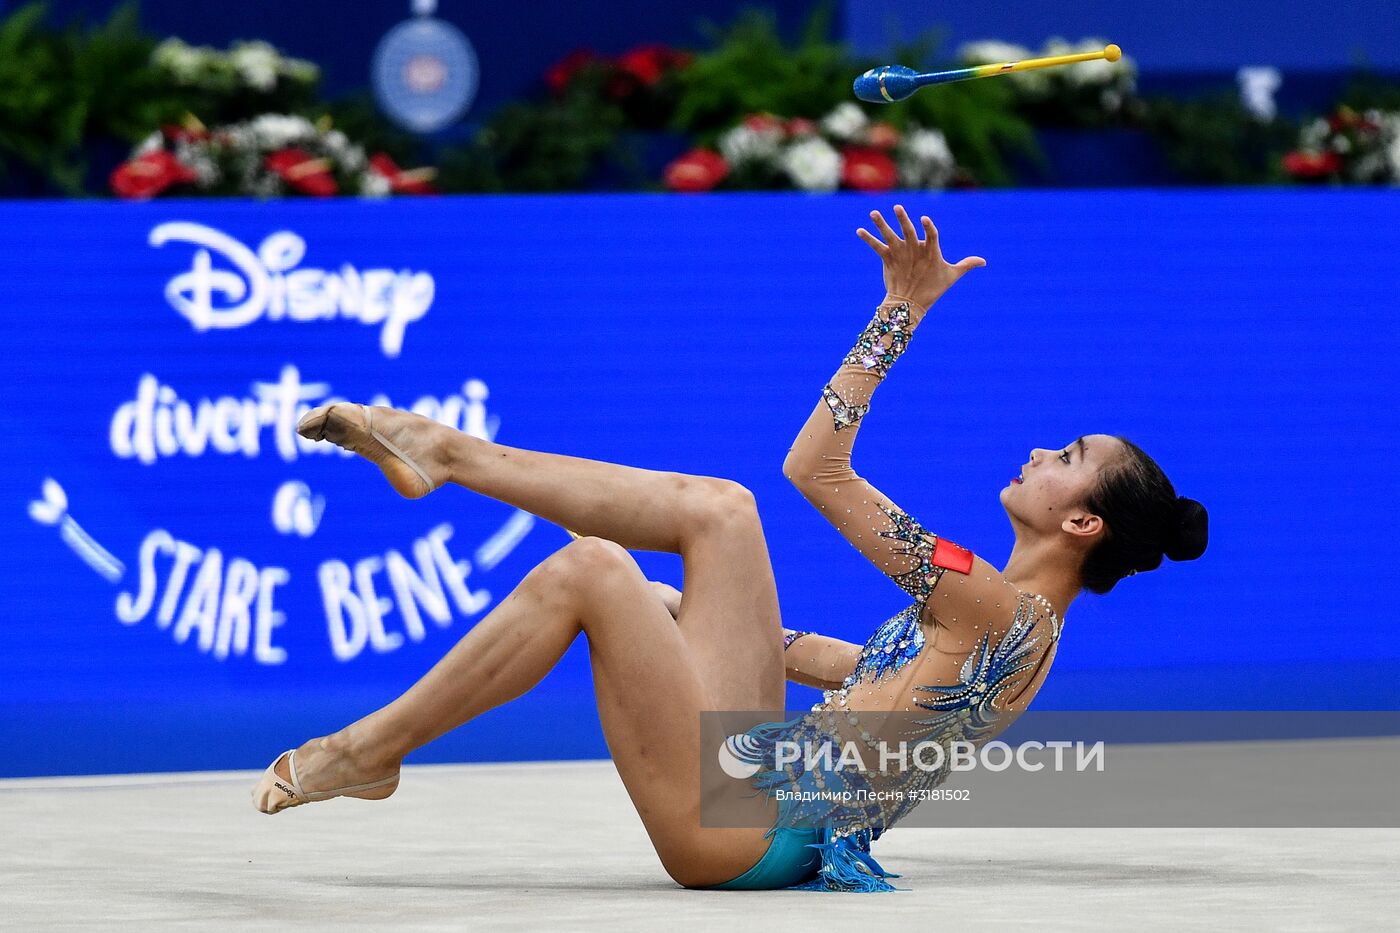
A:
x: 957, y: 665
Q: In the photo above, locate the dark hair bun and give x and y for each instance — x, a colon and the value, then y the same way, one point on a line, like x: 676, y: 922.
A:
x: 1186, y: 540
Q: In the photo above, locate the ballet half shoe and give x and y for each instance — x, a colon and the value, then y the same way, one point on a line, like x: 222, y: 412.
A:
x: 274, y: 793
x: 315, y: 424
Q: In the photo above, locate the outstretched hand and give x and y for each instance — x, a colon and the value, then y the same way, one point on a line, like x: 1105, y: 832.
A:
x: 915, y: 268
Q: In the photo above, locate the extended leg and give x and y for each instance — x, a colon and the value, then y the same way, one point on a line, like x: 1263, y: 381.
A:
x: 649, y: 699
x: 649, y: 510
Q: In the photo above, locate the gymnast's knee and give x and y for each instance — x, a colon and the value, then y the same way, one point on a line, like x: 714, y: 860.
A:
x: 585, y: 564
x: 724, y: 503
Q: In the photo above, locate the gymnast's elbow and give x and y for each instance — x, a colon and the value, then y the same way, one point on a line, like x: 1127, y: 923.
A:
x: 798, y: 467
x: 814, y: 470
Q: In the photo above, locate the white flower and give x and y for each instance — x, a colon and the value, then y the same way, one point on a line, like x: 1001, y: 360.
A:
x: 277, y: 131
x: 374, y: 185
x: 743, y: 144
x: 163, y: 52
x: 1257, y: 87
x: 1099, y: 71
x: 1390, y: 126
x: 206, y: 172
x: 336, y: 142
x: 352, y: 158
x: 813, y: 165
x: 1370, y: 167
x: 300, y: 69
x: 153, y: 143
x: 990, y: 52
x: 846, y: 122
x: 181, y: 60
x: 1341, y: 144
x: 238, y: 136
x: 1314, y: 134
x: 924, y: 159
x: 265, y: 185
x: 256, y: 63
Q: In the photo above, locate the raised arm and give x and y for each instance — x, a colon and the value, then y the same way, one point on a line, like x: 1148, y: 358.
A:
x: 819, y: 462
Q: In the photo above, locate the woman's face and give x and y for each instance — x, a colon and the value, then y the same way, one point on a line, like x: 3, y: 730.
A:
x: 1052, y: 484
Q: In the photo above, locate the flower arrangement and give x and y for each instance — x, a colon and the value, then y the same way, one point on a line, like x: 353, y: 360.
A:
x: 1093, y: 93
x: 256, y: 65
x: 642, y: 81
x: 247, y: 79
x: 268, y: 156
x: 1348, y: 146
x: 842, y: 149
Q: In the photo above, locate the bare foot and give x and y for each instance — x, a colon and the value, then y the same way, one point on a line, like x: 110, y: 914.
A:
x: 404, y: 445
x: 323, y: 764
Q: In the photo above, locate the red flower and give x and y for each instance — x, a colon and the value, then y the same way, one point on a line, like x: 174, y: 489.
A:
x: 562, y: 72
x: 882, y: 135
x: 800, y: 126
x: 1312, y: 164
x: 414, y: 181
x: 647, y: 63
x: 302, y: 172
x: 867, y: 169
x: 697, y: 170
x: 149, y: 175
x: 643, y: 67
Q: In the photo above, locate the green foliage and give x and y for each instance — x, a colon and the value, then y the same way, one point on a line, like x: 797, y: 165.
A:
x: 751, y: 70
x: 981, y: 127
x: 553, y: 146
x: 248, y: 79
x: 1368, y: 90
x: 978, y: 118
x: 62, y: 93
x: 1214, y: 140
x: 34, y: 123
x: 111, y: 73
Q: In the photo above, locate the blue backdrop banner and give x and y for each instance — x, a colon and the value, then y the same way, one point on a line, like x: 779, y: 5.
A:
x: 189, y: 584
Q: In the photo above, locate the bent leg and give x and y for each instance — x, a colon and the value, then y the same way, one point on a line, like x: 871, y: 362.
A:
x: 649, y: 699
x: 729, y: 607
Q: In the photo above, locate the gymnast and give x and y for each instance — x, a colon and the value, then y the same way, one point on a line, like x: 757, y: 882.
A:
x: 968, y: 654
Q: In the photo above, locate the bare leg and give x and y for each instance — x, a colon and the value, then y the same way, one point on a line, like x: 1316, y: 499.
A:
x: 649, y: 699
x: 729, y: 631
x: 648, y: 510
x: 729, y: 616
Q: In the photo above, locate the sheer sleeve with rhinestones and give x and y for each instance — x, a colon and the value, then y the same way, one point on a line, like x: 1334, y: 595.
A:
x: 819, y: 463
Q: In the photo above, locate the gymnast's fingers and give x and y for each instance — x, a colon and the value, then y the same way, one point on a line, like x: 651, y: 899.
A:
x: 930, y: 231
x: 906, y: 224
x: 885, y: 229
x: 874, y: 241
x: 969, y: 263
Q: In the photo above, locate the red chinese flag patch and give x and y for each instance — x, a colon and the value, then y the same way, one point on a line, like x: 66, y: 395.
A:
x: 948, y: 555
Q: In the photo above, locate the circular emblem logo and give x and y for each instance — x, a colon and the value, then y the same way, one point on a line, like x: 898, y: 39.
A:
x: 425, y: 74
x: 740, y: 756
